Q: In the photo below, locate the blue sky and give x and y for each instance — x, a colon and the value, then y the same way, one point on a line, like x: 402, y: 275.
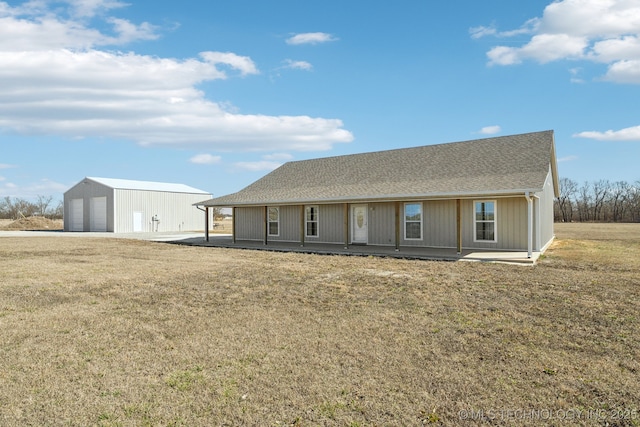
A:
x: 216, y: 94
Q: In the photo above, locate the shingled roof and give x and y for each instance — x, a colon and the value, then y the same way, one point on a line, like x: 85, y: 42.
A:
x: 491, y: 166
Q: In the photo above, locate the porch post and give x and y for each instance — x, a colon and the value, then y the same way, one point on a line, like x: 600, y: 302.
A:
x: 302, y: 225
x: 233, y: 225
x: 206, y: 223
x: 345, y: 224
x: 397, y: 226
x: 265, y: 229
x: 529, y: 225
x: 536, y: 206
x: 459, y: 226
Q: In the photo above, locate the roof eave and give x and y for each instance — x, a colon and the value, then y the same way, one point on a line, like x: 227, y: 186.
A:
x: 379, y: 198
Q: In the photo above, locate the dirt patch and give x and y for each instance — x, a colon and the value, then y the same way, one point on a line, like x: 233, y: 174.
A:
x: 33, y: 223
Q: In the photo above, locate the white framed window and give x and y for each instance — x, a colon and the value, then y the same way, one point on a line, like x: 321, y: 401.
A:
x: 311, y: 221
x: 484, y: 221
x: 273, y: 221
x: 413, y: 221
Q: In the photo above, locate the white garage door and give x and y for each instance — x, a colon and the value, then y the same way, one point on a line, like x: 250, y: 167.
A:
x: 76, y: 209
x: 98, y: 214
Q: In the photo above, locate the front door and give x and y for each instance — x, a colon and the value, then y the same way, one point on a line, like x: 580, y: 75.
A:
x: 137, y: 222
x: 359, y: 227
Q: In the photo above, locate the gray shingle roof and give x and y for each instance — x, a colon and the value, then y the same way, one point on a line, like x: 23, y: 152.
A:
x: 500, y: 165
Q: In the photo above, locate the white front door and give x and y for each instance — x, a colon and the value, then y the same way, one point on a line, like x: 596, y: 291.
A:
x: 359, y: 228
x: 137, y: 222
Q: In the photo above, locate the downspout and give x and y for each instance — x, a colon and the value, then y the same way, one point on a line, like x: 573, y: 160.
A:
x: 529, y: 225
x: 536, y: 209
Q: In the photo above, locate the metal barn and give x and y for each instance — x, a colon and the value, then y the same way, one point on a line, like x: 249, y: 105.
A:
x: 126, y: 206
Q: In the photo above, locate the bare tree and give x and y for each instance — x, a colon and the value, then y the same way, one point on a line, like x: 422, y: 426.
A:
x: 58, y: 212
x: 42, y: 204
x: 599, y: 191
x: 633, y: 202
x: 617, y: 200
x: 568, y: 190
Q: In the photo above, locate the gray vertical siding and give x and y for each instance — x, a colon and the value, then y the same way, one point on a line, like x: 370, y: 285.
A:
x: 439, y: 223
x: 330, y: 224
x: 382, y: 225
x: 289, y: 224
x: 174, y: 210
x: 249, y: 223
x: 511, y: 224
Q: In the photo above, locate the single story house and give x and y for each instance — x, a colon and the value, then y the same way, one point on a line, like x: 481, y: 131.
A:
x: 492, y: 194
x: 126, y: 206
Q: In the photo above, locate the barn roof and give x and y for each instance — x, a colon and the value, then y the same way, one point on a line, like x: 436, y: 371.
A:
x: 127, y: 184
x: 489, y: 166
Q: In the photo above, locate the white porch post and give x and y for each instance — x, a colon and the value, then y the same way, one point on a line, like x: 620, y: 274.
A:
x: 529, y: 225
x: 538, y: 215
x: 206, y: 223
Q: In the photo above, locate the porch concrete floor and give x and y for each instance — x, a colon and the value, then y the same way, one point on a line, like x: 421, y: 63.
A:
x: 446, y: 254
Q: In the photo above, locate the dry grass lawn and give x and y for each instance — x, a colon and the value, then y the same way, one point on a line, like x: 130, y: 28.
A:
x: 120, y: 332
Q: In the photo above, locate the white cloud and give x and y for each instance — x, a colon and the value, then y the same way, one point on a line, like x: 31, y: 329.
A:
x: 205, y: 159
x: 529, y: 27
x: 626, y: 134
x: 310, y: 38
x: 244, y: 64
x: 55, y: 80
x: 261, y: 165
x: 481, y: 31
x: 490, y: 130
x: 604, y: 31
x: 567, y: 159
x: 7, y: 166
x: 624, y: 72
x: 298, y: 65
x: 32, y: 26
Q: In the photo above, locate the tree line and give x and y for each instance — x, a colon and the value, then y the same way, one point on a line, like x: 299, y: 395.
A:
x: 598, y: 201
x: 16, y: 208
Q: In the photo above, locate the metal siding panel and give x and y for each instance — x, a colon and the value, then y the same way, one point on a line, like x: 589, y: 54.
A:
x: 382, y: 229
x: 330, y: 224
x: 440, y: 223
x: 289, y: 224
x: 174, y: 211
x: 249, y: 223
x: 511, y: 224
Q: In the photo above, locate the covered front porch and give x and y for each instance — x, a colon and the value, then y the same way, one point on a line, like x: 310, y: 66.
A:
x: 422, y: 253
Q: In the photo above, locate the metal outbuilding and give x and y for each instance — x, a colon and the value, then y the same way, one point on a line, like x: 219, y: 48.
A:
x: 126, y: 206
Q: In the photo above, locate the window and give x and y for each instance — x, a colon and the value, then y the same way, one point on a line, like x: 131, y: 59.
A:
x: 273, y: 221
x: 311, y: 221
x: 485, y: 221
x: 413, y: 221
